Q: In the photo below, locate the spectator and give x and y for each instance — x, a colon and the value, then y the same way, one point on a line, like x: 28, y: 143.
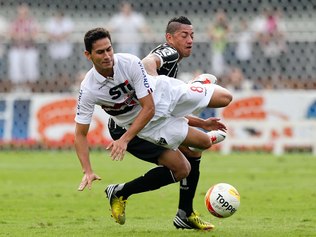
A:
x: 60, y: 47
x: 258, y: 25
x: 243, y: 50
x: 23, y: 54
x: 236, y: 81
x: 273, y: 46
x: 218, y: 33
x: 126, y: 27
x: 3, y: 29
x: 270, y: 30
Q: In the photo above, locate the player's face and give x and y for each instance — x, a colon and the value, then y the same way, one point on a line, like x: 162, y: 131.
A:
x: 182, y: 40
x: 102, y: 56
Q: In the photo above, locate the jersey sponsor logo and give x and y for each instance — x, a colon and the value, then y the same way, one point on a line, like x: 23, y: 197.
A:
x: 165, y: 52
x: 169, y: 57
x: 168, y: 54
x: 120, y: 89
x: 145, y: 79
x: 146, y: 83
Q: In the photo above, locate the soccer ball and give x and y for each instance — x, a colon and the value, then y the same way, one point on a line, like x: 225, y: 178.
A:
x: 222, y: 200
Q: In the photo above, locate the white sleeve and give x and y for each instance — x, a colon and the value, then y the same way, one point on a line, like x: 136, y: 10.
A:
x: 85, y: 107
x: 142, y: 84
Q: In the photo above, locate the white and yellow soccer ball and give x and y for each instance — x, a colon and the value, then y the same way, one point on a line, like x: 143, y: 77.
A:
x: 222, y: 200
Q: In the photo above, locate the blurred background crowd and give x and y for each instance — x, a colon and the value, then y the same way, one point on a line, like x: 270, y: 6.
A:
x: 247, y: 44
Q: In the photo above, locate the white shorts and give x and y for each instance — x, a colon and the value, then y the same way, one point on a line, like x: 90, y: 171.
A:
x: 169, y: 128
x: 169, y: 132
x: 175, y: 98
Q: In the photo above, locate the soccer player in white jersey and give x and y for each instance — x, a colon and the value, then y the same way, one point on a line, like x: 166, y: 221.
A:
x: 150, y: 107
x: 164, y: 60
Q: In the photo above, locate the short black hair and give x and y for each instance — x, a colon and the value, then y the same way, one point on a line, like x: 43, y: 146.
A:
x: 93, y: 35
x: 172, y: 25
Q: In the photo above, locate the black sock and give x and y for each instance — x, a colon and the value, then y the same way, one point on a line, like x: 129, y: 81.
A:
x: 188, y: 186
x: 154, y: 179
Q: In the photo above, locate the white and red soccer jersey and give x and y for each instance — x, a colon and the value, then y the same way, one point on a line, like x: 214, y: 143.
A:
x: 118, y: 96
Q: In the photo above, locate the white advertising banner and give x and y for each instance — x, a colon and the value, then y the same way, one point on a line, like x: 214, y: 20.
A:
x: 48, y: 119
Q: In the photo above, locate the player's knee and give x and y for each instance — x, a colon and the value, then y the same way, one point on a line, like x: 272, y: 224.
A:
x: 221, y: 98
x: 182, y: 171
x: 205, y: 144
x: 226, y: 98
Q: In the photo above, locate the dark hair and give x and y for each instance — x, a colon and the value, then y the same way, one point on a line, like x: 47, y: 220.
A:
x: 93, y: 35
x: 173, y: 24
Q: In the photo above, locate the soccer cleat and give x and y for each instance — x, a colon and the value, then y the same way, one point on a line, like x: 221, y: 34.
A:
x: 217, y: 136
x: 117, y: 204
x: 205, y: 79
x: 191, y: 222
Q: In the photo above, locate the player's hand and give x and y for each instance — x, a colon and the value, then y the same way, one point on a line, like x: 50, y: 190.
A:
x: 87, y: 180
x: 118, y: 149
x: 213, y: 124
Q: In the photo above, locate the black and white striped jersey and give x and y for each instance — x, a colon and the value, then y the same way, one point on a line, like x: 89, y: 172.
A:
x: 169, y: 57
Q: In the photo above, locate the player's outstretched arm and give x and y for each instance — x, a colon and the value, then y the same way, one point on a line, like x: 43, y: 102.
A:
x: 82, y: 149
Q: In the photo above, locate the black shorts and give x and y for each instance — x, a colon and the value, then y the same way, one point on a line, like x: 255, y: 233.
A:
x: 138, y: 147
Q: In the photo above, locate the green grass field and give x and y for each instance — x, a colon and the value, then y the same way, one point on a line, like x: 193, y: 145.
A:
x: 39, y: 196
